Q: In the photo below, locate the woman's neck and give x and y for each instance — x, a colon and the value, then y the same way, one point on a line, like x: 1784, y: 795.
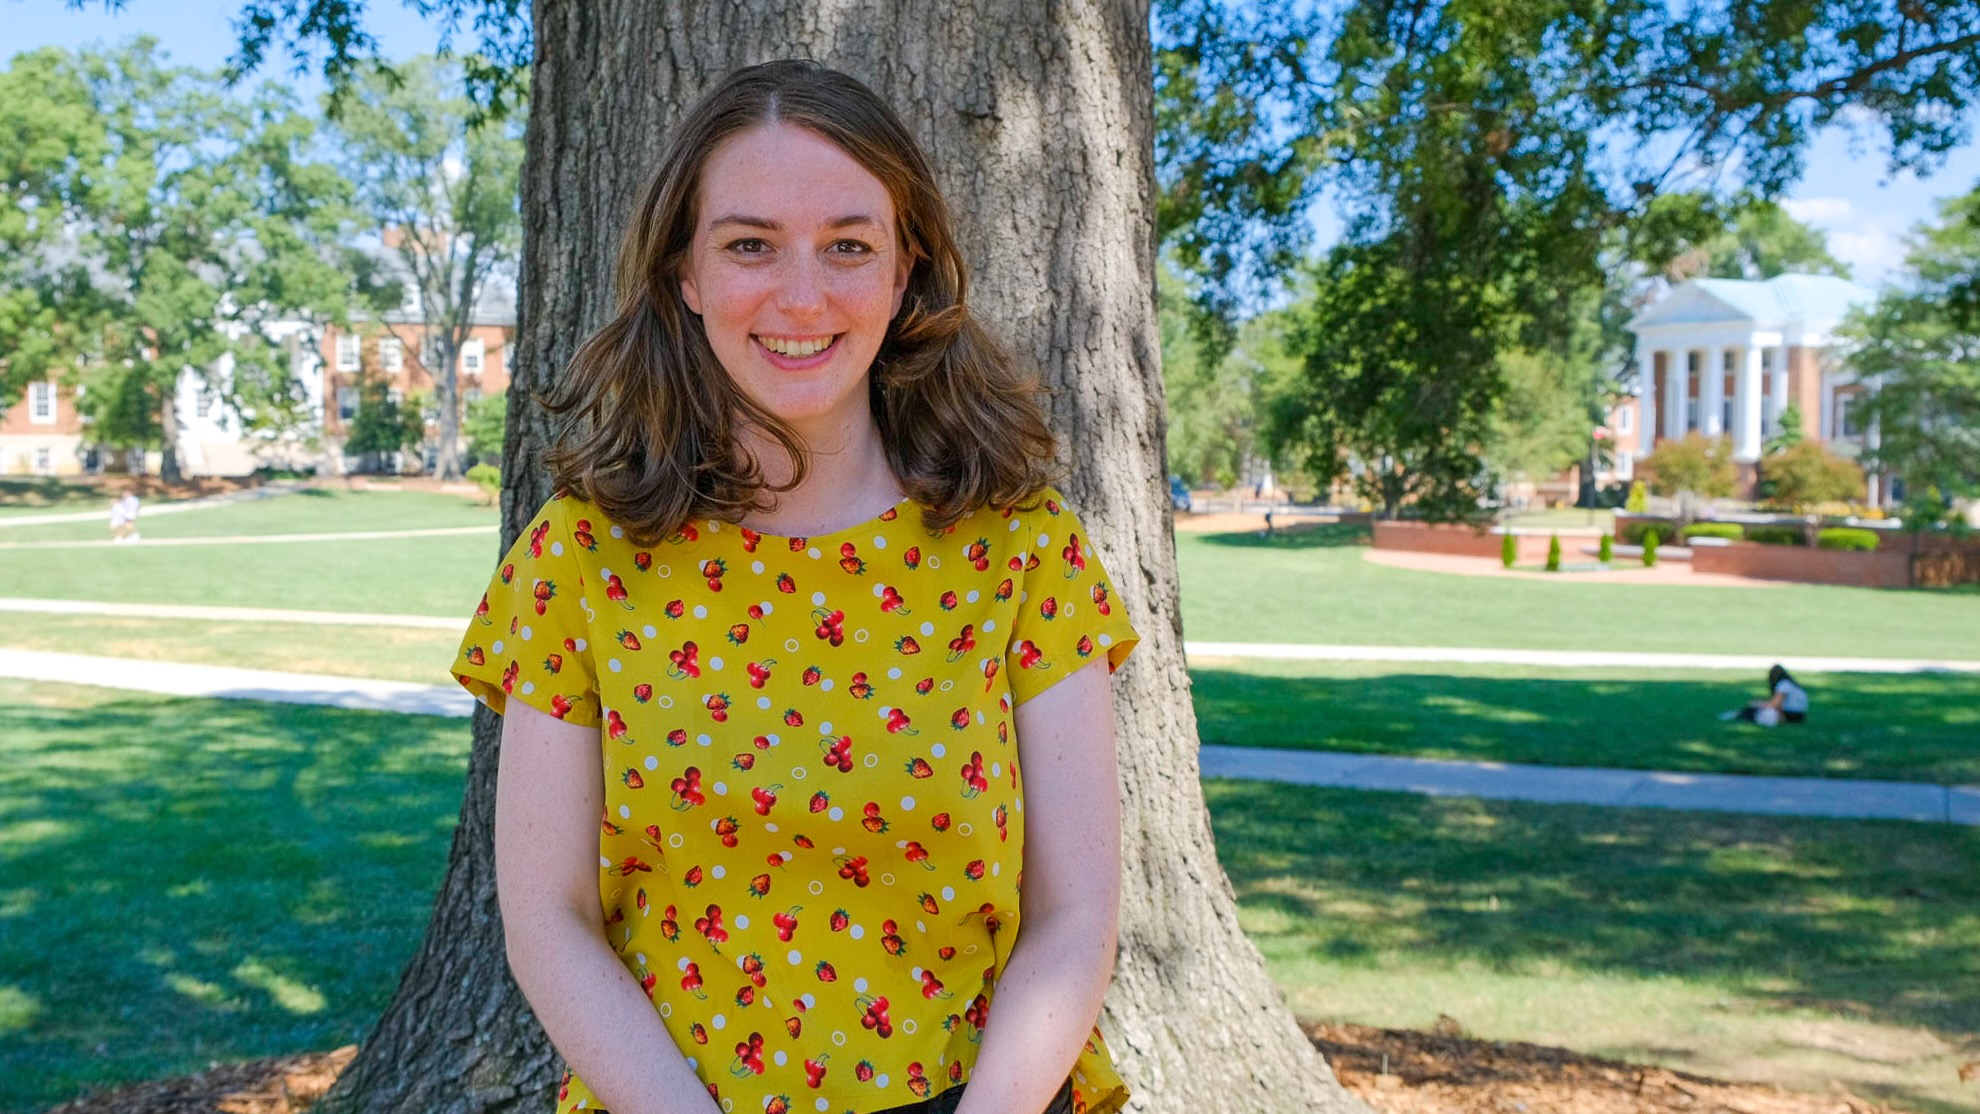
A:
x: 847, y: 480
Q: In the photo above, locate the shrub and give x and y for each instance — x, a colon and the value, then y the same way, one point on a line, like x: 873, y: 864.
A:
x: 488, y: 478
x: 1774, y: 535
x: 1848, y: 538
x: 1807, y: 474
x: 1730, y: 531
x: 1607, y: 551
x: 1696, y: 464
x: 1639, y: 498
x: 1554, y: 553
x: 1650, y: 549
x: 1632, y: 533
x: 1508, y: 549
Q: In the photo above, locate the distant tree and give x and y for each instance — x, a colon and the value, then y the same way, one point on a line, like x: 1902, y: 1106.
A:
x: 442, y: 188
x: 486, y: 425
x: 1918, y: 349
x: 1218, y: 407
x: 1758, y: 240
x: 1693, y: 467
x: 1807, y: 473
x: 382, y: 426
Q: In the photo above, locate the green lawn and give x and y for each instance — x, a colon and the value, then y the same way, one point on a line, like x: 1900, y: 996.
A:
x: 385, y: 653
x: 183, y: 881
x: 1563, y: 518
x: 1314, y: 586
x: 1796, y: 951
x: 1904, y: 727
x: 309, y: 511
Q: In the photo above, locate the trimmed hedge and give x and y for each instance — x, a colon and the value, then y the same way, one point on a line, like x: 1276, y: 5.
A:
x: 1631, y: 532
x: 1774, y: 535
x: 1849, y: 538
x: 1730, y: 531
x: 1650, y: 548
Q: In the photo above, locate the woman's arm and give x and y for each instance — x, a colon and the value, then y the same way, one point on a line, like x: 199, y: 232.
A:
x: 1051, y: 989
x: 549, y: 795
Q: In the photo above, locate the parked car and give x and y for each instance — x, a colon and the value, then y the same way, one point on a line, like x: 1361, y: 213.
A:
x: 1178, y: 494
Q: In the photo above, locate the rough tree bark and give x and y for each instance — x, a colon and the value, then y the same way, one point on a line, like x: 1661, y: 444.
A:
x: 1039, y: 114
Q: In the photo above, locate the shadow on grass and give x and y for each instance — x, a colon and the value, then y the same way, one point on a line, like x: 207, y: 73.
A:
x: 191, y: 880
x: 1873, y: 920
x: 1296, y: 535
x: 1902, y: 727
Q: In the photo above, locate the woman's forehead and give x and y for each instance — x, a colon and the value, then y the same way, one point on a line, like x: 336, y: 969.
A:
x: 778, y: 176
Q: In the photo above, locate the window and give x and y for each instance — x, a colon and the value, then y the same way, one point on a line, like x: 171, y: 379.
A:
x: 203, y: 402
x: 471, y: 396
x: 471, y: 356
x: 1849, y: 420
x: 1625, y: 465
x: 347, y: 403
x: 41, y: 403
x: 409, y: 296
x: 1625, y: 420
x: 392, y: 354
x: 429, y: 351
x: 44, y: 461
x: 347, y: 352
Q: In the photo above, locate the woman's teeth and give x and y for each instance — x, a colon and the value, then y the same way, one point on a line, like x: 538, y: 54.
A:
x: 806, y: 347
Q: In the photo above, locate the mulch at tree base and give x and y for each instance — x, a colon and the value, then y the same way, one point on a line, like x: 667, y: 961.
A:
x: 1396, y: 1071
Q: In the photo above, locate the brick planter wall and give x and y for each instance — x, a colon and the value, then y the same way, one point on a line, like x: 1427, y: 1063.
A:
x: 1882, y: 569
x: 1467, y: 541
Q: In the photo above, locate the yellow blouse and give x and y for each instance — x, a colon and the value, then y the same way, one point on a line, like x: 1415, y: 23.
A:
x: 814, y: 819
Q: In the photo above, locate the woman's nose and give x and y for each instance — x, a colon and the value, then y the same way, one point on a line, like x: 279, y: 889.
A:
x: 802, y: 289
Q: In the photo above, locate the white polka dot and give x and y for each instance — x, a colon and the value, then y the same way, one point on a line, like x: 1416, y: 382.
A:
x: 837, y: 813
x: 859, y: 987
x: 742, y: 920
x: 756, y: 567
x: 528, y: 687
x: 907, y: 804
x: 880, y: 591
x: 664, y: 571
x: 767, y: 608
x: 526, y: 633
x: 908, y: 1026
x: 603, y: 861
x: 927, y: 629
x: 701, y: 613
x: 652, y: 763
x: 816, y: 887
x: 825, y: 728
x: 817, y: 599
x: 979, y: 719
x: 704, y: 740
x: 795, y: 957
x: 989, y: 625
x: 823, y: 1104
x: 996, y: 869
x: 812, y: 553
x: 1106, y: 640
x: 973, y: 596
x: 770, y: 828
x: 938, y: 750
x: 871, y: 760
x: 857, y: 932
x: 617, y: 532
x: 948, y: 893
x: 809, y: 1001
x: 681, y: 963
x: 1044, y: 539
x: 779, y: 1058
x: 894, y: 674
x: 772, y: 739
x: 714, y: 525
x: 719, y: 872
x: 880, y: 1081
x: 625, y: 813
x: 649, y: 631
x: 556, y: 549
x: 839, y: 1039
x: 674, y: 840
x: 614, y: 665
x: 581, y: 644
x: 879, y: 542
x: 722, y: 788
x: 714, y: 663
x: 1015, y: 524
x: 921, y: 927
x: 605, y: 572
x: 498, y: 646
x: 996, y: 770
x: 791, y: 645
x: 763, y: 702
x: 719, y: 1022
x: 825, y: 686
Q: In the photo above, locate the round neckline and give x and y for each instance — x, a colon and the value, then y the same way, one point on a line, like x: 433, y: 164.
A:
x: 880, y: 519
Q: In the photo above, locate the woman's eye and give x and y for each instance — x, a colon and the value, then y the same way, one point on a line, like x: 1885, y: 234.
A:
x: 851, y: 247
x: 749, y: 245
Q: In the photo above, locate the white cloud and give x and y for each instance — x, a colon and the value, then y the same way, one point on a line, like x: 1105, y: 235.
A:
x: 1820, y: 211
x: 1873, y: 250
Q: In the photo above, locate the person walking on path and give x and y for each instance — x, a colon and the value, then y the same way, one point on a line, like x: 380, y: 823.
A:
x: 123, y: 518
x: 773, y: 657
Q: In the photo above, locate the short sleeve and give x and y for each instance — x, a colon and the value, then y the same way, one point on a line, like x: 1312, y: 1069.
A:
x: 1068, y: 613
x: 527, y: 639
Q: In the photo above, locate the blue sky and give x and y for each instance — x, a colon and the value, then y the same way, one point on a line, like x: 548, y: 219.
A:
x: 1844, y: 192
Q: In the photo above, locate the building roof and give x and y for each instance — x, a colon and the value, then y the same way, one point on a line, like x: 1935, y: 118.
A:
x: 1782, y: 300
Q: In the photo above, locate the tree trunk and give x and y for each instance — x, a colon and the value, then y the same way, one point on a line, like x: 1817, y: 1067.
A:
x: 168, y: 455
x: 446, y: 399
x: 1039, y: 114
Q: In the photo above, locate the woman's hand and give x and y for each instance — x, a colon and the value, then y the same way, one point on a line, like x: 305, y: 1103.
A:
x: 1050, y: 991
x: 549, y: 794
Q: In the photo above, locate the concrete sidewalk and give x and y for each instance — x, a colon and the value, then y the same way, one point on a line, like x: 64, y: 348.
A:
x: 146, y: 510
x: 1820, y: 797
x: 263, y: 539
x: 1834, y: 798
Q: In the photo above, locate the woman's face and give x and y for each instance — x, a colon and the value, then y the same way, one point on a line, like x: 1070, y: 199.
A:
x: 795, y: 272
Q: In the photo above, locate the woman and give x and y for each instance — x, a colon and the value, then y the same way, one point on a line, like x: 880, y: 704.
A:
x: 1786, y: 702
x: 773, y: 659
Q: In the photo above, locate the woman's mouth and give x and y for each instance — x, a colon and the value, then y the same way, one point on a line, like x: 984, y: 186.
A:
x: 797, y: 348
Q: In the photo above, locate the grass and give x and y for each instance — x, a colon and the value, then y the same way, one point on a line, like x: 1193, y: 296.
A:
x: 1796, y: 951
x: 309, y: 511
x: 183, y: 881
x: 1313, y: 586
x: 1562, y: 518
x: 1901, y: 727
x: 384, y: 653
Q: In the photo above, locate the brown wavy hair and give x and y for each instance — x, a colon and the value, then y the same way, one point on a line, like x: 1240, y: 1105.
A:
x: 650, y: 417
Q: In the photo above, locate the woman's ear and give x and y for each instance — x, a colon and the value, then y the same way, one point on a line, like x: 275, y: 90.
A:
x: 902, y: 273
x: 692, y: 296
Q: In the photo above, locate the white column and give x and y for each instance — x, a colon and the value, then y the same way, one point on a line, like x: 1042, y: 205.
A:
x: 1777, y: 387
x: 1712, y: 393
x: 1646, y: 393
x: 1746, y: 406
x: 1677, y: 373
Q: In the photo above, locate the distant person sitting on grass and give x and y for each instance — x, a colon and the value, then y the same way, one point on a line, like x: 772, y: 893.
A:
x: 123, y: 518
x: 1786, y: 701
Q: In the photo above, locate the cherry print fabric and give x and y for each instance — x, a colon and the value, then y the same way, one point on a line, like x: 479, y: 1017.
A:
x: 814, y: 818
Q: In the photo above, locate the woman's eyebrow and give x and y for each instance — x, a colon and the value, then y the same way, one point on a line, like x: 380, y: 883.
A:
x: 769, y: 225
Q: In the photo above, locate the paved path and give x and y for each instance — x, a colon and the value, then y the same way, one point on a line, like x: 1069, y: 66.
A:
x: 1781, y: 796
x: 1265, y: 651
x: 147, y: 510
x: 1551, y: 784
x: 262, y: 539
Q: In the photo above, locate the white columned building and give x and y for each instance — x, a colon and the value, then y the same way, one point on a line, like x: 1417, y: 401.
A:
x: 1772, y: 341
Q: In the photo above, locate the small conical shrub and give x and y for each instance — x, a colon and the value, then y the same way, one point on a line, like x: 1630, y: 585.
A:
x: 1554, y: 553
x: 1508, y: 549
x: 1639, y: 498
x: 1650, y: 549
x: 1607, y: 550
